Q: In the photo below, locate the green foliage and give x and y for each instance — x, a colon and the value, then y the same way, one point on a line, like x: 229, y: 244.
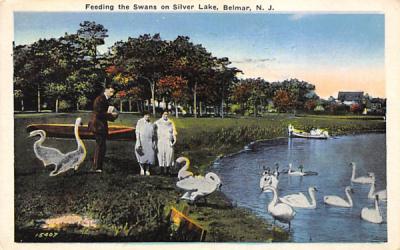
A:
x: 64, y: 105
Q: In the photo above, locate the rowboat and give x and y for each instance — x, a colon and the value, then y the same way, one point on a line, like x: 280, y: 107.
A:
x: 313, y: 134
x: 121, y: 133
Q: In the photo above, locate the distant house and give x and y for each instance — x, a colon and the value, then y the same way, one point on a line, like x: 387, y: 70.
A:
x: 349, y: 98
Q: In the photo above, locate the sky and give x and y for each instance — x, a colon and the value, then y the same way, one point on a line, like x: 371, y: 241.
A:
x: 335, y: 52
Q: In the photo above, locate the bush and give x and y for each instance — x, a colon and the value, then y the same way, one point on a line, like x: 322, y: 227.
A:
x: 64, y: 105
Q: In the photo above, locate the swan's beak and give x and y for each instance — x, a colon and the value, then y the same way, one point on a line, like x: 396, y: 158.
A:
x: 316, y: 189
x: 352, y: 190
x: 220, y: 186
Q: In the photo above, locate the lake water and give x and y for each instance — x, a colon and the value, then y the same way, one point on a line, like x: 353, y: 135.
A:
x: 241, y: 174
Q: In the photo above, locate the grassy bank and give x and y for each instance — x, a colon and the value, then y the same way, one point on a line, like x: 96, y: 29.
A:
x: 134, y: 208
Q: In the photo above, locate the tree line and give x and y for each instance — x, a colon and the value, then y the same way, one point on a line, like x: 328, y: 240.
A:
x: 69, y: 72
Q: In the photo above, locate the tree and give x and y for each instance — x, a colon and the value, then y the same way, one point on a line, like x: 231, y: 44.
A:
x: 174, y: 88
x: 142, y: 58
x: 91, y: 35
x: 284, y: 100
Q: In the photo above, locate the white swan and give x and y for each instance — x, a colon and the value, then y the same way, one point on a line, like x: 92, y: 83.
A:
x: 372, y: 194
x: 372, y: 214
x: 268, y: 180
x: 300, y: 200
x: 197, y: 187
x: 361, y: 179
x: 184, y: 172
x: 337, y: 201
x: 70, y: 160
x: 280, y: 211
x: 295, y: 173
x: 49, y: 156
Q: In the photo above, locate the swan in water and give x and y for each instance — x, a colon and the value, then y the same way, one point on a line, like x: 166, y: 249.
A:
x: 361, y: 179
x: 65, y: 162
x: 184, y: 172
x: 268, y: 180
x: 372, y: 194
x: 372, y: 214
x: 49, y: 156
x: 280, y: 211
x: 199, y: 186
x: 300, y: 200
x: 295, y: 173
x: 337, y: 201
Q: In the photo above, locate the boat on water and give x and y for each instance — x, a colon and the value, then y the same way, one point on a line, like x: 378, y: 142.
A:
x: 313, y: 134
x: 122, y: 133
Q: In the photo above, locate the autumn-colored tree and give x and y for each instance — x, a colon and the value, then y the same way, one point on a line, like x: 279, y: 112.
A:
x: 173, y: 88
x: 284, y: 101
x: 310, y: 105
x: 355, y: 108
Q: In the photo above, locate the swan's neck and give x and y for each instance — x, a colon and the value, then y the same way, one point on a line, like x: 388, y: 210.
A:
x: 377, y: 206
x: 274, y: 197
x: 41, y: 140
x: 78, y: 138
x: 311, y: 192
x: 371, y: 190
x: 349, y: 197
x: 353, y: 173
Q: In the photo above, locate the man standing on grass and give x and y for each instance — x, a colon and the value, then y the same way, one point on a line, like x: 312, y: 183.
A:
x: 98, y: 125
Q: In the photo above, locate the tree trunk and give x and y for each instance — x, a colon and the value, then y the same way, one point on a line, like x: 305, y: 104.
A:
x: 255, y: 110
x: 195, y: 100
x: 152, y: 98
x: 176, y: 110
x: 120, y: 105
x: 57, y: 105
x: 38, y: 99
x: 22, y: 105
x: 130, y: 105
x: 77, y: 106
x: 201, y: 110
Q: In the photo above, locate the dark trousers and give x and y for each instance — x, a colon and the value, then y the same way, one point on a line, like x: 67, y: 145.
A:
x: 99, y: 151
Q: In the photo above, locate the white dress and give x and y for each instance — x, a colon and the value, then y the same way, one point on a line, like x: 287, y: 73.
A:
x: 166, y: 138
x: 145, y: 137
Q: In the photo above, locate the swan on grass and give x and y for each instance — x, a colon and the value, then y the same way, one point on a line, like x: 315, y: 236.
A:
x: 199, y: 186
x: 280, y: 211
x: 300, y: 200
x: 184, y: 171
x: 372, y: 193
x: 62, y: 162
x: 372, y: 215
x: 361, y: 179
x: 337, y: 201
x: 48, y: 156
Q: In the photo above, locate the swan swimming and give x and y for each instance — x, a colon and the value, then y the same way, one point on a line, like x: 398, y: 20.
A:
x: 372, y: 214
x: 300, y: 200
x: 197, y: 187
x: 372, y: 194
x: 280, y: 211
x: 295, y: 173
x: 64, y: 162
x: 184, y: 172
x: 49, y: 156
x: 361, y: 179
x: 337, y: 201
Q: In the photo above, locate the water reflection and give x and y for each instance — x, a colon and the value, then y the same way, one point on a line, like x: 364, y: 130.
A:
x: 330, y: 158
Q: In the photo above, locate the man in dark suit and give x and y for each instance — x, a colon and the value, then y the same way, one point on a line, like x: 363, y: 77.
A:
x: 98, y: 125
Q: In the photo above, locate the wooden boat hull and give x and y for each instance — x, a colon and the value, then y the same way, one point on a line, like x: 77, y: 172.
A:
x: 308, y: 136
x: 67, y: 131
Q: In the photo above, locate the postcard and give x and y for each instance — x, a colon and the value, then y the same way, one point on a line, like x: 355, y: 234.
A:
x: 158, y: 124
